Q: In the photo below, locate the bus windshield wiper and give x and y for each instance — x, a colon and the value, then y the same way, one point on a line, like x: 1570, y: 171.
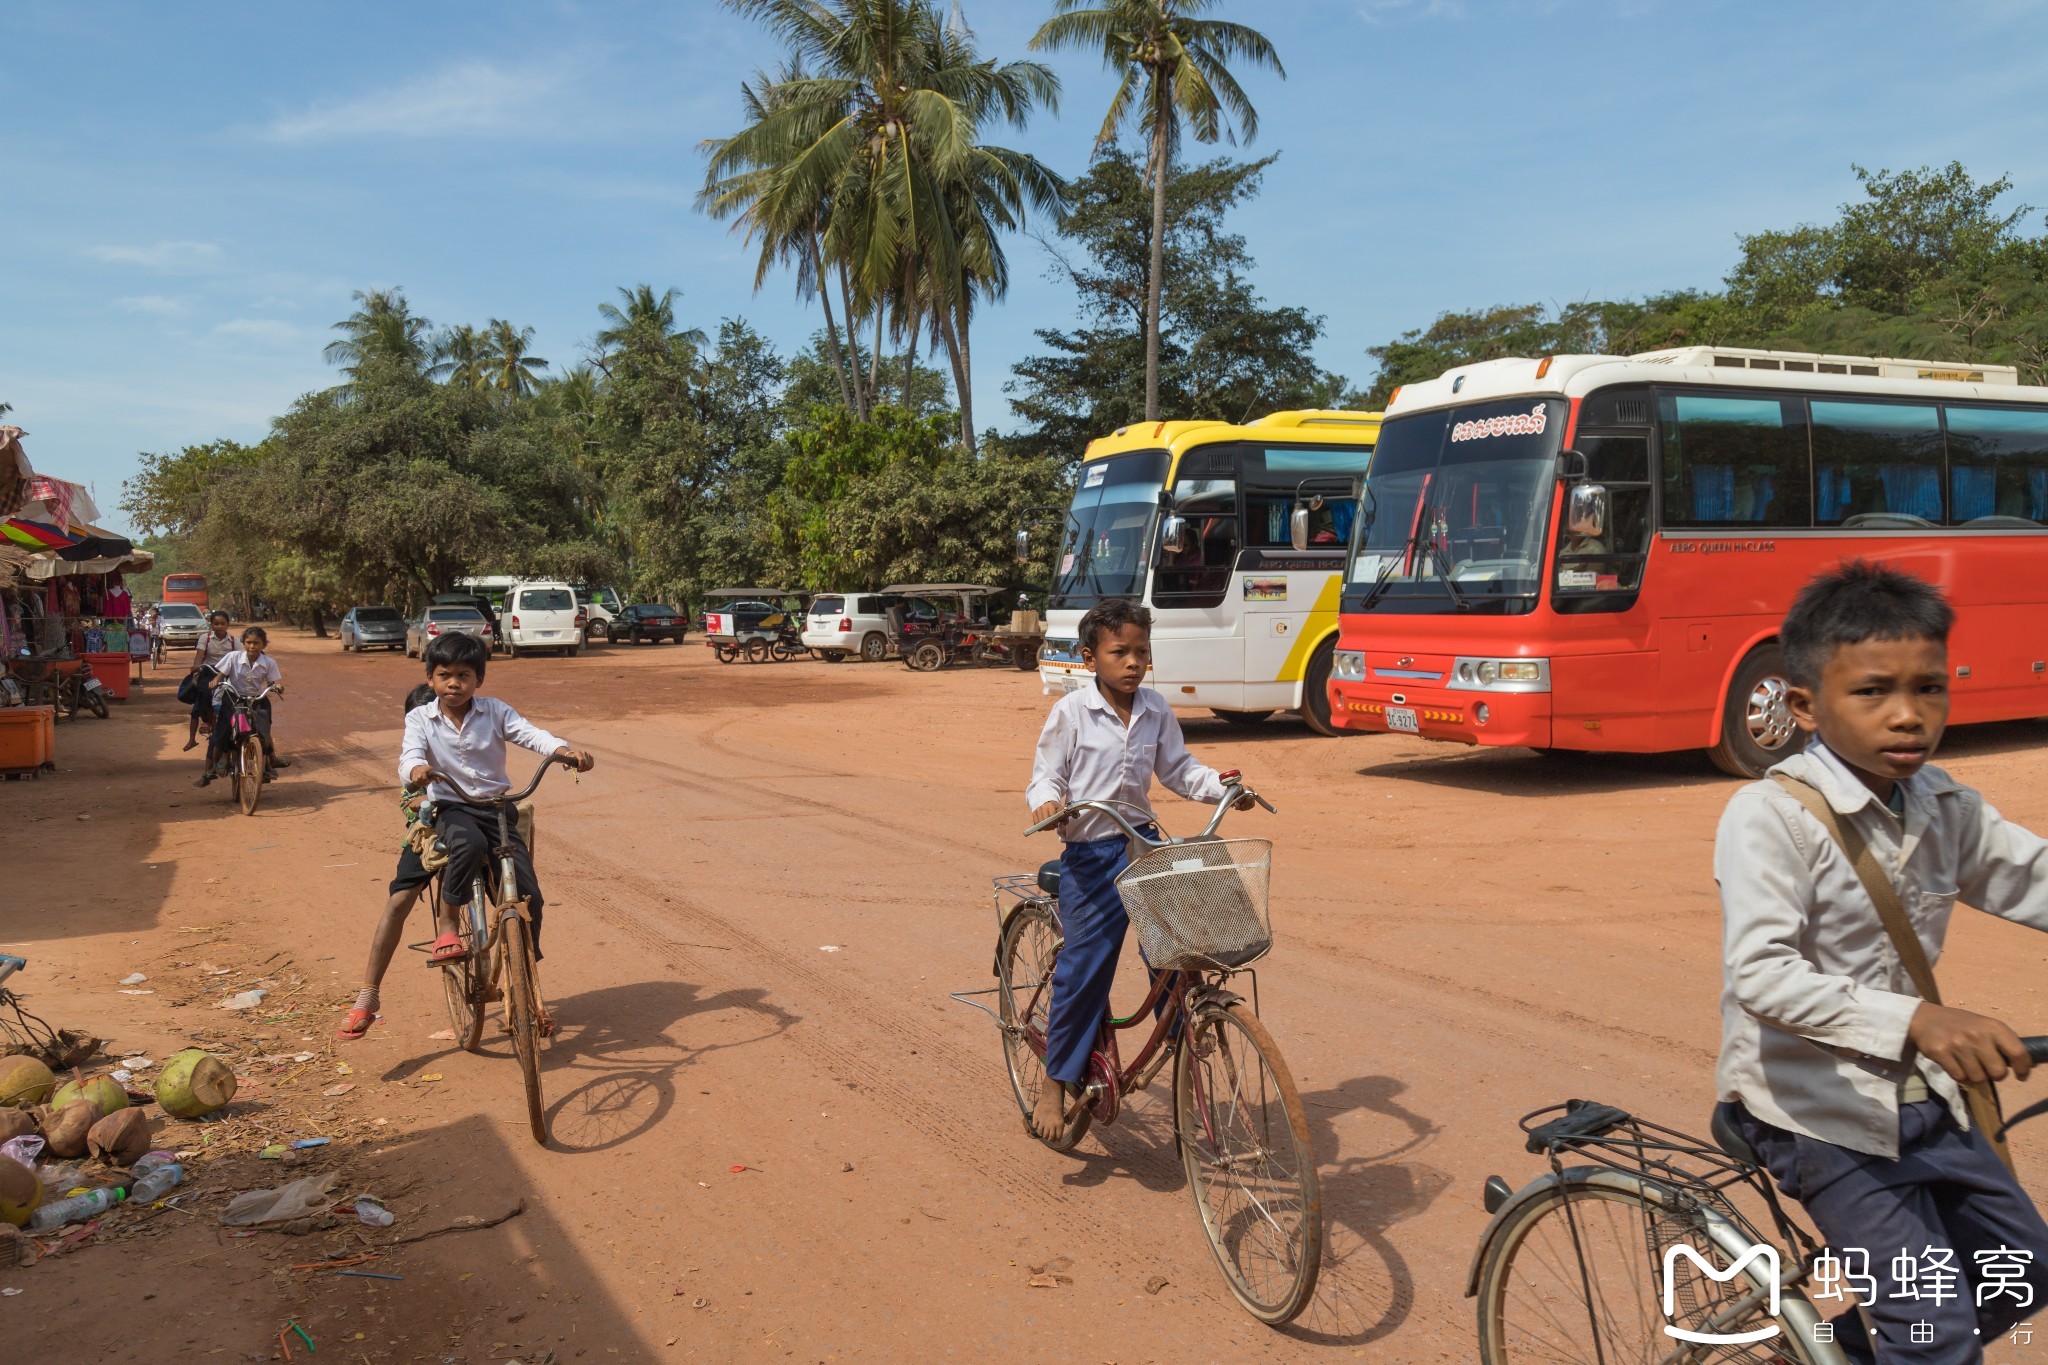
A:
x: 1422, y: 538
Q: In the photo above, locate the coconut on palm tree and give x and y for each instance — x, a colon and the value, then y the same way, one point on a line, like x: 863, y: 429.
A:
x: 1175, y: 69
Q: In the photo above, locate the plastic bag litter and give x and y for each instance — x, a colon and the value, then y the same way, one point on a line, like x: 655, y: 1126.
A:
x: 281, y: 1205
x: 25, y: 1149
x: 370, y: 1209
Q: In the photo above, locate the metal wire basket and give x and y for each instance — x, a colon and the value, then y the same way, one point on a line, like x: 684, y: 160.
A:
x: 1201, y: 905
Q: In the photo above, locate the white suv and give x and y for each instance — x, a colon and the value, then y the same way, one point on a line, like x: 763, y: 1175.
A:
x: 541, y: 616
x: 851, y: 623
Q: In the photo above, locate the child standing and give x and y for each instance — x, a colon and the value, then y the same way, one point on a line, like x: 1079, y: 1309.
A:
x: 1102, y: 742
x: 1848, y: 1083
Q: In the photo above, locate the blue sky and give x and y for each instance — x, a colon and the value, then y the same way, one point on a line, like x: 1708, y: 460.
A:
x: 192, y: 191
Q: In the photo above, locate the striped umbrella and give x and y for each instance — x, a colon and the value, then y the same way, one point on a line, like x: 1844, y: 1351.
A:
x: 36, y: 535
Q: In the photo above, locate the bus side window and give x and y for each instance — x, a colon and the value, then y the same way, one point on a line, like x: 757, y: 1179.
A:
x: 1998, y: 466
x: 1198, y: 575
x: 1876, y: 461
x: 1734, y: 461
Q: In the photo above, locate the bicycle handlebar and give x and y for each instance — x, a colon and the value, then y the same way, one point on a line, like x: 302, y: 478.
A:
x: 509, y: 798
x: 2037, y: 1048
x: 1234, y: 791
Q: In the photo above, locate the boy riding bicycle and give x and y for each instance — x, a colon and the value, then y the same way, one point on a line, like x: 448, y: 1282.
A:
x: 1848, y: 1082
x: 1102, y: 742
x: 462, y: 735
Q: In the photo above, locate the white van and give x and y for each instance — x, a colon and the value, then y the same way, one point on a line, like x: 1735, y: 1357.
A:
x: 840, y: 624
x: 541, y: 616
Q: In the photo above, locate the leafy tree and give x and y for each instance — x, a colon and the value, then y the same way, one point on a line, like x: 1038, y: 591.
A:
x: 382, y: 329
x: 1174, y: 67
x: 509, y: 365
x: 460, y: 355
x: 168, y: 493
x: 1224, y: 352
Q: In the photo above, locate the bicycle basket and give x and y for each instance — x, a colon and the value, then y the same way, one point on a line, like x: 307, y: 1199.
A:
x: 1201, y: 904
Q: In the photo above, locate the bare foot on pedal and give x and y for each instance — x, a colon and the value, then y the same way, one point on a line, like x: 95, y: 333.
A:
x: 1049, y: 1115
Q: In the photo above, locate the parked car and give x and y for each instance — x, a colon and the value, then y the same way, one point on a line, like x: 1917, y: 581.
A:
x: 477, y: 602
x: 372, y: 628
x: 650, y: 621
x: 181, y: 625
x: 543, y: 616
x: 851, y: 624
x: 435, y: 621
x: 603, y: 607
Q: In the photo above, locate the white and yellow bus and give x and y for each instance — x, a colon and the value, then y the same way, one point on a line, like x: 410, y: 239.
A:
x: 1198, y: 521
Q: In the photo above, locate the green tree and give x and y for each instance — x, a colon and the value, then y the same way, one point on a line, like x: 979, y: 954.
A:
x: 1224, y: 352
x: 382, y: 330
x: 168, y: 493
x: 460, y: 356
x: 1173, y: 67
x: 509, y: 366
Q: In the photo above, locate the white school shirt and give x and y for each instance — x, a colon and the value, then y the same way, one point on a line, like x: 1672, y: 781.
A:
x: 1085, y: 753
x: 213, y: 648
x: 246, y: 678
x: 1814, y: 999
x: 473, y: 753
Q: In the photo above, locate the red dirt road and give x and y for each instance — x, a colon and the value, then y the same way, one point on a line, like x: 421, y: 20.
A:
x: 1464, y: 936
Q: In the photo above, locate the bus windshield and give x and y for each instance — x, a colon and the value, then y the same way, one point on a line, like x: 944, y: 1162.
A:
x: 1459, y: 508
x: 1109, y: 526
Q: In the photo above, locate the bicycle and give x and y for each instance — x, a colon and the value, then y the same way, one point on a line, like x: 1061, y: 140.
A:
x: 1199, y: 908
x: 498, y: 938
x: 1642, y: 1253
x: 248, y: 768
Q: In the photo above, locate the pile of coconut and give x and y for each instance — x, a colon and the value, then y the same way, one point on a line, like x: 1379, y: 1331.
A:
x: 93, y: 1117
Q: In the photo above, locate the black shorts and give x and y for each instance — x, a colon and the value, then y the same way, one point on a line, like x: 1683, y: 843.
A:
x: 411, y: 874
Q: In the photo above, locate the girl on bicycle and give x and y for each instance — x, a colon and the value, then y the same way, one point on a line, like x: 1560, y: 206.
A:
x: 246, y: 673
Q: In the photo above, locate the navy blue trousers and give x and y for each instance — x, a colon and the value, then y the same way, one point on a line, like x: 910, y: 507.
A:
x: 1948, y: 1191
x: 1093, y: 920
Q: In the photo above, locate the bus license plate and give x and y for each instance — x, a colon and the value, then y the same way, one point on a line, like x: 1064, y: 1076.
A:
x: 1402, y: 718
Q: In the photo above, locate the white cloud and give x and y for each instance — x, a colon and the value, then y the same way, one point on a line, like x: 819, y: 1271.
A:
x: 267, y: 329
x: 150, y: 303
x: 160, y: 255
x: 468, y: 98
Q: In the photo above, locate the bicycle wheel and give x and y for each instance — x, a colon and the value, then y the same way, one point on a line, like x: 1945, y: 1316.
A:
x: 464, y: 983
x: 1546, y: 1296
x: 249, y: 762
x: 522, y: 1016
x: 1251, y: 1168
x: 1024, y: 958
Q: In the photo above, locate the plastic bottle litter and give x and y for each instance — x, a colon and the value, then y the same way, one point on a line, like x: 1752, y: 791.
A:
x: 371, y: 1210
x: 76, y: 1209
x: 146, y: 1164
x: 160, y: 1181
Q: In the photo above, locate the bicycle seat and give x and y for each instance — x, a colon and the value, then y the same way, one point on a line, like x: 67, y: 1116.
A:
x: 1049, y: 878
x: 1728, y: 1135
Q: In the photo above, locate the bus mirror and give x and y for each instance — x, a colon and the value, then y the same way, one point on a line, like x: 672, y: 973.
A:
x: 1297, y: 527
x: 1023, y: 550
x: 1571, y: 464
x: 1586, y: 516
x: 1173, y: 534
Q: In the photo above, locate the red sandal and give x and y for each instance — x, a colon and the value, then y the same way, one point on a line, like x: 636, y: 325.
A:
x: 356, y: 1025
x: 447, y: 948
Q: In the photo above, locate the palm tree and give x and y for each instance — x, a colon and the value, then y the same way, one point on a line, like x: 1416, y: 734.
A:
x: 460, y: 354
x: 873, y: 155
x: 1174, y: 67
x: 647, y: 322
x: 508, y: 365
x: 383, y: 328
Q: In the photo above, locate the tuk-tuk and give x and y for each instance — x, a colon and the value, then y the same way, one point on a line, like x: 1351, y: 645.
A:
x: 948, y: 623
x: 754, y: 623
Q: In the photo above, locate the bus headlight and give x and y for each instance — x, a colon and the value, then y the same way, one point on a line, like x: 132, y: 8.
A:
x: 1499, y: 675
x: 1348, y: 665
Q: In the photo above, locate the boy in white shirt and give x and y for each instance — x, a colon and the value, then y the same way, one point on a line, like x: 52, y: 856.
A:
x: 1101, y: 742
x: 1847, y: 1082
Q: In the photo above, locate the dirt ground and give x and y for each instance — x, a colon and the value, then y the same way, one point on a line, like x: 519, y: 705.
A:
x: 758, y: 904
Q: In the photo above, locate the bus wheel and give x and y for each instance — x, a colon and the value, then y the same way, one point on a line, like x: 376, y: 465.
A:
x: 1240, y: 717
x: 1756, y: 718
x: 1315, y: 691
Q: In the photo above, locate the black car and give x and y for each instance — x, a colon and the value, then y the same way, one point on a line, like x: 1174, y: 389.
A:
x: 651, y: 621
x: 372, y: 628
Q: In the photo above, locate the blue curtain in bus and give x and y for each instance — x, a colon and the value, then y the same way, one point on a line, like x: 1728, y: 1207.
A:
x: 1713, y: 493
x: 1342, y: 514
x: 1832, y: 488
x: 1914, y: 489
x: 2037, y: 494
x: 1974, y: 491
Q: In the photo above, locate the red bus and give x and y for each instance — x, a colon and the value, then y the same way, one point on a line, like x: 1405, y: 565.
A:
x: 185, y: 587
x: 1594, y: 552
